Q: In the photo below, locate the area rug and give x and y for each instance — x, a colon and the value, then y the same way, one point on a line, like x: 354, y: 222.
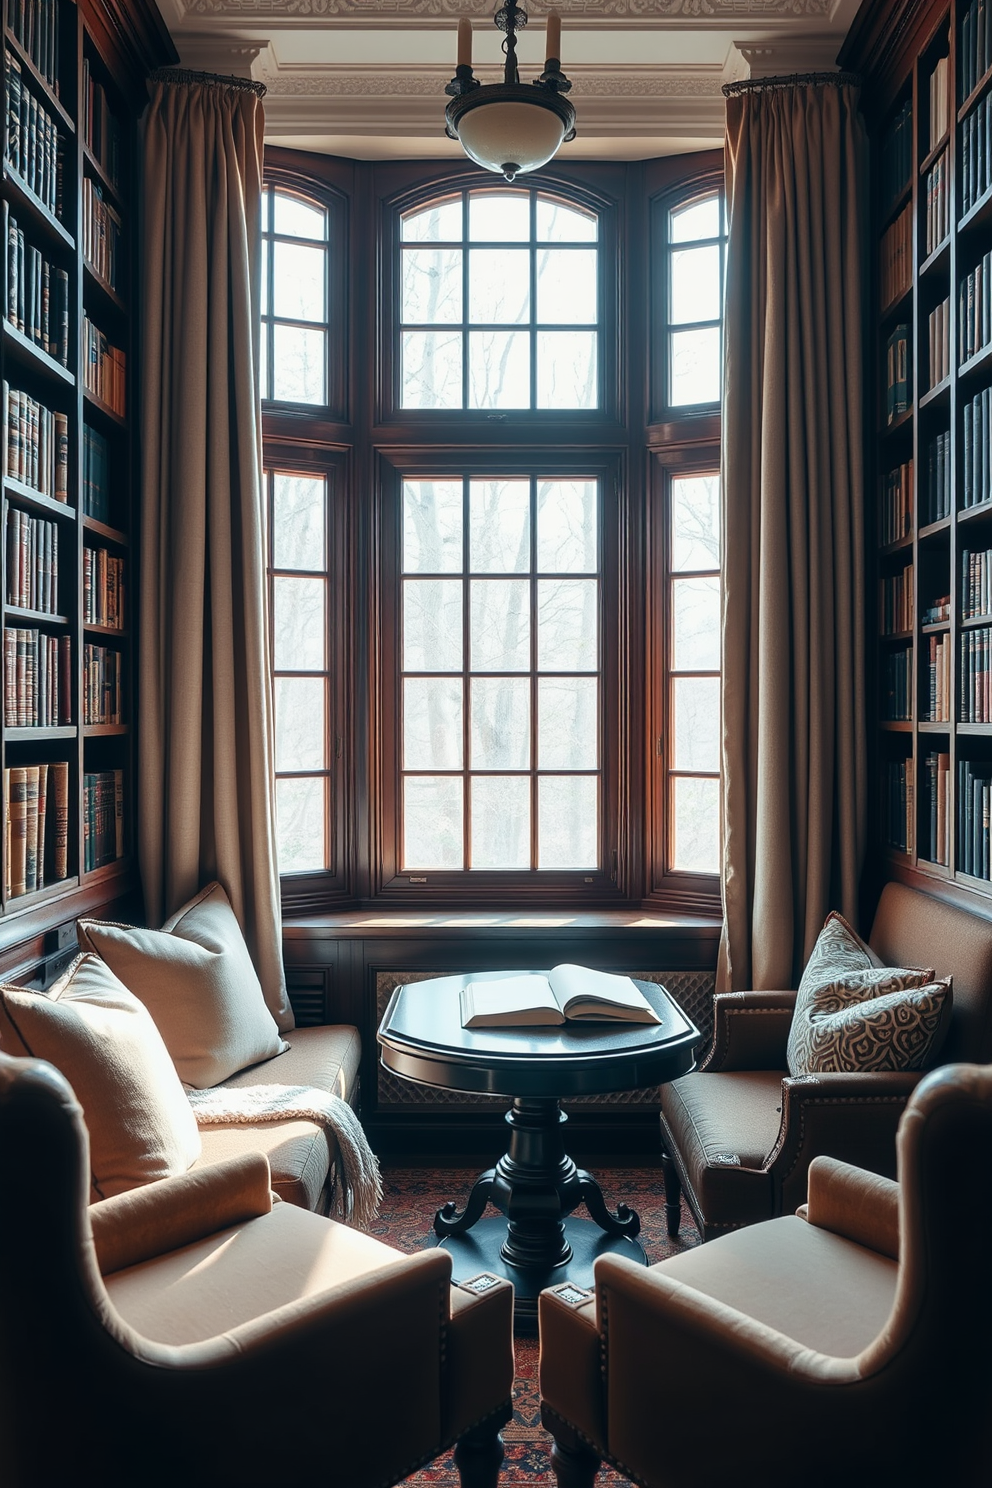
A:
x: 411, y: 1198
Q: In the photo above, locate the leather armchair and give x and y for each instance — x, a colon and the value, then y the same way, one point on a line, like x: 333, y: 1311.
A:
x: 738, y: 1135
x: 845, y: 1344
x: 193, y: 1331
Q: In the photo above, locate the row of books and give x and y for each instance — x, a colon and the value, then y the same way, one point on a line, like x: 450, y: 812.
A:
x: 103, y: 669
x: 976, y: 46
x: 976, y: 584
x: 940, y: 100
x: 33, y: 146
x: 102, y: 234
x: 975, y: 309
x: 938, y: 679
x: 939, y: 326
x: 898, y: 804
x: 896, y: 511
x: 35, y: 24
x: 974, y: 811
x: 938, y: 204
x: 35, y: 293
x: 896, y: 608
x: 36, y: 444
x: 897, y: 257
x: 937, y: 612
x: 976, y: 681
x: 37, y: 679
x: 897, y: 684
x: 103, y: 588
x: 977, y: 483
x: 96, y: 475
x: 37, y: 800
x: 897, y: 155
x: 976, y: 154
x: 104, y: 367
x: 32, y: 546
x: 101, y: 131
x: 937, y: 503
x: 898, y: 374
x: 935, y: 776
x: 103, y: 818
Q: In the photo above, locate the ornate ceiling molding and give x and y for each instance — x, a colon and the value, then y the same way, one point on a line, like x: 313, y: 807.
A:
x: 399, y: 82
x: 644, y: 13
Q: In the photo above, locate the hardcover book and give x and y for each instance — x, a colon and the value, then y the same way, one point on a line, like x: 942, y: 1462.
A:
x: 567, y: 994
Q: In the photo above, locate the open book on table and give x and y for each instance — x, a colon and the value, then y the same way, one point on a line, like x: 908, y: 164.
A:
x: 566, y: 994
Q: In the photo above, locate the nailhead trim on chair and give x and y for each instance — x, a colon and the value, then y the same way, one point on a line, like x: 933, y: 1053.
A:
x: 848, y: 1100
x: 737, y: 1012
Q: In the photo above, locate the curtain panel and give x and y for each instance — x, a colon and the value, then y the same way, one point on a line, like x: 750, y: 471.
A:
x: 205, y: 753
x: 794, y: 741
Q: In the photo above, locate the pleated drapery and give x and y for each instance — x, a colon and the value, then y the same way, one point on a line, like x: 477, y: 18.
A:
x: 794, y: 747
x: 205, y: 789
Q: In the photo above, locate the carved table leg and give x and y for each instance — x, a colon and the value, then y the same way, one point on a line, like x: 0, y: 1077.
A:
x: 448, y: 1221
x: 623, y: 1222
x: 479, y: 1455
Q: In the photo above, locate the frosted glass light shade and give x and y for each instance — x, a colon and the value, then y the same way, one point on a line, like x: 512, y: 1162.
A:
x: 510, y: 137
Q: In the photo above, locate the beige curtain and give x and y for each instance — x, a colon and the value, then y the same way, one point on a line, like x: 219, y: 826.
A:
x: 793, y: 633
x: 205, y: 797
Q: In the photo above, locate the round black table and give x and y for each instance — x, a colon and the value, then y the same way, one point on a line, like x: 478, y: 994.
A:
x: 535, y: 1185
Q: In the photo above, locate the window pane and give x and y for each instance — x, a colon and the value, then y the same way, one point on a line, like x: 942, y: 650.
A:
x: 499, y: 369
x: 501, y: 821
x: 500, y: 723
x: 500, y: 526
x: 697, y: 825
x: 499, y: 286
x: 298, y: 522
x: 696, y: 522
x: 696, y: 702
x: 432, y: 723
x: 502, y: 217
x: 567, y: 526
x: 566, y: 369
x: 301, y: 817
x: 567, y: 818
x: 566, y: 286
x: 265, y: 388
x: 432, y: 822
x: 696, y: 625
x: 500, y: 625
x: 558, y: 224
x: 567, y: 733
x: 432, y: 369
x: 298, y: 624
x: 441, y: 223
x: 695, y: 284
x: 299, y: 706
x: 300, y: 281
x: 432, y: 285
x: 567, y: 625
x: 432, y: 526
x: 696, y: 366
x: 300, y: 364
x: 266, y: 256
x: 701, y: 220
x: 297, y: 219
x: 432, y: 625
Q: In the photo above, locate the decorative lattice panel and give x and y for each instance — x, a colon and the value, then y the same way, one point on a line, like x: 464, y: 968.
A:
x: 692, y: 990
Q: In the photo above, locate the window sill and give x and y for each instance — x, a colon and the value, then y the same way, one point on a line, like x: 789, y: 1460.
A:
x: 366, y: 924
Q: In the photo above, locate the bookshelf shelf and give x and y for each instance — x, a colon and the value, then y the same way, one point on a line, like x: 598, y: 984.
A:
x: 27, y: 204
x: 34, y: 735
x: 104, y: 730
x: 933, y: 155
x: 114, y: 631
x: 26, y: 350
x: 969, y: 103
x: 39, y: 84
x: 899, y: 423
x: 938, y: 262
x: 896, y: 725
x: 977, y: 365
x: 53, y: 890
x: 103, y: 410
x: 19, y: 613
x: 96, y: 281
x: 96, y: 170
x: 938, y: 394
x: 100, y: 529
x: 977, y: 215
x: 107, y: 871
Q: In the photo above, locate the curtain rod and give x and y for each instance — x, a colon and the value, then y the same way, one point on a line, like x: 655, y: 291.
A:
x: 186, y: 75
x: 792, y: 80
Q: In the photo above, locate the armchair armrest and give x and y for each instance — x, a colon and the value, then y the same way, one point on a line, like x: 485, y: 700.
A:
x: 149, y: 1221
x: 750, y: 1031
x: 863, y: 1207
x: 478, y: 1354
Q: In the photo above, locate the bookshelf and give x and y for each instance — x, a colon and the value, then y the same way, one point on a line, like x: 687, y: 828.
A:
x: 929, y: 76
x: 73, y: 88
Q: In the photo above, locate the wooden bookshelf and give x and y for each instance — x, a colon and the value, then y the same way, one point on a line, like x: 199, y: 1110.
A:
x: 85, y: 65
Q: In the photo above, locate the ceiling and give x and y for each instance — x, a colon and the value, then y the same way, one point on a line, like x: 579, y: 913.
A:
x: 365, y: 78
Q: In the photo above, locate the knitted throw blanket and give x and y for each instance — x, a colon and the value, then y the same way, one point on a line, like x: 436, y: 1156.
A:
x: 359, y: 1189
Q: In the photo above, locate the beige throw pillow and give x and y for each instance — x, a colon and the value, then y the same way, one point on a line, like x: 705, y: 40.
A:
x: 103, y: 1040
x: 852, y: 1013
x: 197, y: 980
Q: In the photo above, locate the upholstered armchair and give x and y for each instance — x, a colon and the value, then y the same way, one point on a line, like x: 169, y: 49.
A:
x: 738, y: 1135
x: 848, y: 1344
x: 192, y: 1331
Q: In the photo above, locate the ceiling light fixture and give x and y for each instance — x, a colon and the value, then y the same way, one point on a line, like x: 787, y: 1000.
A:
x: 510, y: 127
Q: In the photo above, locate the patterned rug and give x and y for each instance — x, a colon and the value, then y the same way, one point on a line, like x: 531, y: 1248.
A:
x: 413, y: 1195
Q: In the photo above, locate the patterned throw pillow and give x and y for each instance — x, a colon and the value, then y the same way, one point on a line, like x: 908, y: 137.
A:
x: 852, y: 1013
